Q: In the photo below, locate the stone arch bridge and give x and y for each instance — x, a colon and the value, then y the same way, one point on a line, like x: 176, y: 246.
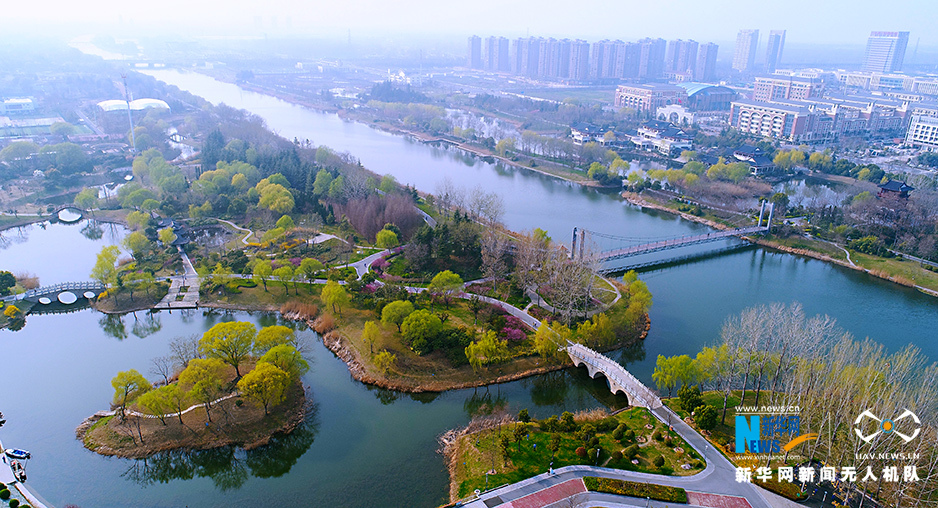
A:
x: 620, y: 380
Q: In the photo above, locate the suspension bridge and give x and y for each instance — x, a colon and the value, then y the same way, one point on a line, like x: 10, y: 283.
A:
x: 640, y: 246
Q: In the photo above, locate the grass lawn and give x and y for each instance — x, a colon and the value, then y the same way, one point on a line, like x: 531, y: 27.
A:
x: 812, y: 245
x: 604, y: 95
x: 479, y: 453
x: 902, y: 269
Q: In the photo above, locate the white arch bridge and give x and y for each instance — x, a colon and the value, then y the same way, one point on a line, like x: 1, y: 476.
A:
x: 620, y: 380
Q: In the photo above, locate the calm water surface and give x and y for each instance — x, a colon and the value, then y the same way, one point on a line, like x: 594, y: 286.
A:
x: 363, y: 446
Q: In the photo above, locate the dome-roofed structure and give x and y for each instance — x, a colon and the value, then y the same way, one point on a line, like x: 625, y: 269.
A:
x: 135, y: 105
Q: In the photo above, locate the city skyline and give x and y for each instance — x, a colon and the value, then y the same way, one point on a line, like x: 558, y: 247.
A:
x: 368, y: 18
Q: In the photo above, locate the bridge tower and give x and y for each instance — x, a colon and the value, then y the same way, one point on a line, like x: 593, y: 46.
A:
x: 761, y: 212
x: 573, y: 247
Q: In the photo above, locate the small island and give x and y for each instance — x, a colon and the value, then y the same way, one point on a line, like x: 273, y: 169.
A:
x: 203, y: 400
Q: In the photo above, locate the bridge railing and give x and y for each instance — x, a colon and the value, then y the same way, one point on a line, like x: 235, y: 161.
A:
x: 676, y: 242
x: 64, y: 286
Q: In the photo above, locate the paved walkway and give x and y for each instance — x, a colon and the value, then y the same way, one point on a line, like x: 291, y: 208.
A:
x: 239, y: 228
x: 190, y: 280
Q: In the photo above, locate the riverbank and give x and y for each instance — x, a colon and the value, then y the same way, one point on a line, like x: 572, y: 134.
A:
x: 235, y: 422
x: 541, y: 166
x: 813, y: 249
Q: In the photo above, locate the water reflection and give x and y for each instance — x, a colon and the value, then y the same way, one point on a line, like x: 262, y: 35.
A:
x: 549, y: 389
x: 113, y: 326
x: 149, y: 324
x: 485, y: 402
x: 229, y: 467
x: 92, y: 230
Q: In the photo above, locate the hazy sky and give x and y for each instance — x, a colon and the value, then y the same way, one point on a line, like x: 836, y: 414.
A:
x: 807, y: 21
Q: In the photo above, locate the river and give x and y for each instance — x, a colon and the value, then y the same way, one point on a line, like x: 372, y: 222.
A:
x: 363, y: 446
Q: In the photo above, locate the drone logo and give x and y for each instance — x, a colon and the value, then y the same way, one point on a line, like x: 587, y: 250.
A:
x: 886, y: 426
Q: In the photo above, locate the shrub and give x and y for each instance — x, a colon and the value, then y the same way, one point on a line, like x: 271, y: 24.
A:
x: 619, y: 433
x: 324, y: 323
x: 609, y: 423
x: 631, y: 451
x: 14, y: 503
x: 617, y: 455
x: 566, y: 422
x: 580, y: 452
x: 594, y: 442
x: 635, y: 489
x: 630, y: 435
x: 523, y: 416
x: 690, y: 397
x: 657, y: 436
x: 659, y: 461
x: 706, y: 417
x: 697, y: 464
x: 668, y: 442
x: 5, y: 494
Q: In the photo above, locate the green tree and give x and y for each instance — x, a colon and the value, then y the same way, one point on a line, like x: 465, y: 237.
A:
x: 780, y: 199
x: 263, y: 271
x: 230, y: 342
x: 266, y: 385
x: 157, y: 403
x: 384, y: 361
x: 284, y: 274
x: 523, y: 416
x: 7, y: 281
x: 488, y: 349
x: 396, y: 312
x: 689, y: 397
x: 87, y: 198
x: 105, y: 268
x: 706, y: 417
x: 138, y: 220
x: 128, y: 385
x: 546, y: 342
x: 288, y: 359
x: 270, y: 336
x: 386, y: 239
x: 504, y: 146
x: 286, y: 222
x: 309, y: 267
x: 371, y: 333
x: 205, y: 379
x: 334, y: 295
x: 322, y: 183
x: 664, y: 375
x: 167, y: 236
x: 138, y: 244
x: 445, y: 284
x: 419, y: 329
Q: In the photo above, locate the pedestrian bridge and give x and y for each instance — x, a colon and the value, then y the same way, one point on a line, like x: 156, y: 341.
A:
x: 620, y: 380
x: 79, y: 289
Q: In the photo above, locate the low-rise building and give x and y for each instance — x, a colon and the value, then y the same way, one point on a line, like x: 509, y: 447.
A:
x: 790, y: 121
x: 923, y: 133
x: 649, y: 97
x: 771, y: 88
x: 661, y: 137
x: 14, y: 105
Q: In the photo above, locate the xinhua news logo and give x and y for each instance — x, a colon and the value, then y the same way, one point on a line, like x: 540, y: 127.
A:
x: 761, y: 433
x: 887, y: 426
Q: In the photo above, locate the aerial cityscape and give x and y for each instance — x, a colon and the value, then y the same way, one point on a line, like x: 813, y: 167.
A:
x: 500, y: 255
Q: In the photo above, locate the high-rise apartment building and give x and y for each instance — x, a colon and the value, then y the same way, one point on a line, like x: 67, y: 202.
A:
x: 885, y: 51
x: 746, y: 43
x: 579, y: 60
x: 651, y: 60
x: 706, y: 62
x: 475, y: 52
x: 681, y: 56
x: 596, y: 59
x: 773, y: 53
x: 495, y: 56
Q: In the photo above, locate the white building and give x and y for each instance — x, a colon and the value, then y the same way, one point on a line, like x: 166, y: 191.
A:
x: 923, y: 133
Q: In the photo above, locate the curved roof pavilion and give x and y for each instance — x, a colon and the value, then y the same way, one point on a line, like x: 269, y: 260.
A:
x: 135, y: 105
